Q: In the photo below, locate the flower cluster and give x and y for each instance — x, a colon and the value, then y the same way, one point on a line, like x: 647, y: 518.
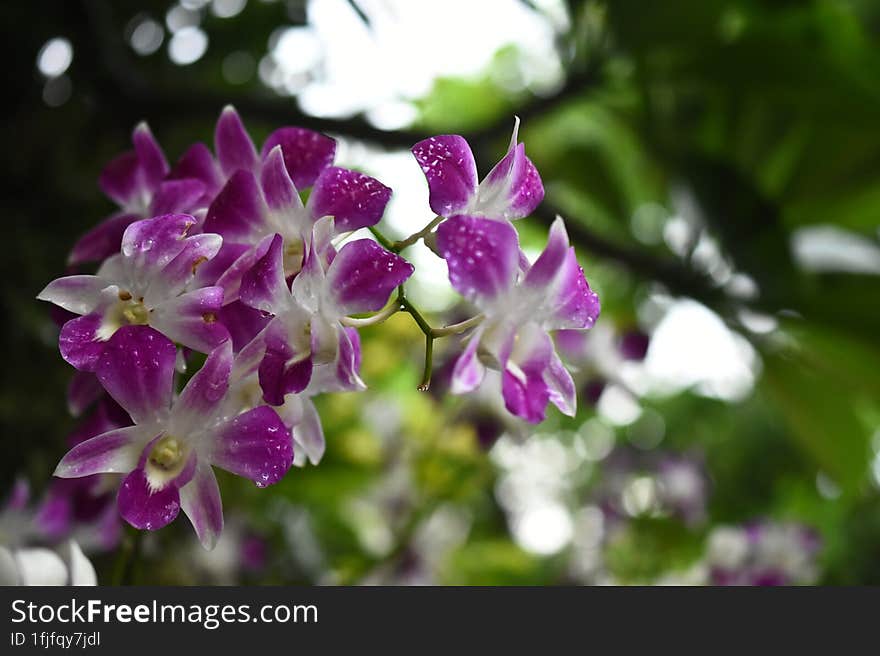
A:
x: 221, y: 255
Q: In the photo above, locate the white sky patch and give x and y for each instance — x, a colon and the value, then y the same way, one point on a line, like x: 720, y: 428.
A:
x: 830, y: 248
x: 353, y: 67
x: 692, y: 347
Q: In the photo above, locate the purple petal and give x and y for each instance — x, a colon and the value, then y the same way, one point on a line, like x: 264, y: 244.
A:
x: 102, y: 241
x: 200, y: 500
x: 191, y: 319
x: 482, y: 256
x: 279, y: 377
x: 243, y: 323
x: 363, y: 275
x: 556, y: 278
x: 264, y: 287
x: 80, y: 343
x: 525, y: 391
x: 230, y: 280
x: 513, y: 189
x: 179, y: 272
x: 543, y: 273
x: 175, y: 196
x: 353, y: 199
x: 121, y: 178
x: 278, y: 188
x: 468, y: 372
x: 208, y: 273
x: 144, y: 508
x: 238, y: 212
x: 526, y: 399
x: 204, y: 392
x: 448, y: 165
x: 136, y: 368
x: 234, y: 147
x: 256, y: 445
x: 198, y: 163
x: 306, y: 153
x: 77, y: 294
x: 149, y: 245
x: 82, y: 390
x: 114, y: 452
x: 150, y: 157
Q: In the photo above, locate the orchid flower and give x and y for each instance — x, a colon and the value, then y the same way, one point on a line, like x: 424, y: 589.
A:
x: 512, y: 190
x: 484, y: 266
x: 137, y: 182
x: 297, y: 411
x: 261, y: 197
x: 307, y: 327
x: 146, y: 284
x: 167, y: 456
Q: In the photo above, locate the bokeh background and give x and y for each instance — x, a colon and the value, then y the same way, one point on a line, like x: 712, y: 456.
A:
x: 718, y: 166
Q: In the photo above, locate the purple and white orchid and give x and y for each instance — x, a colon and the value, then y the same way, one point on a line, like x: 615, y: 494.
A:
x: 168, y: 454
x: 146, y: 284
x: 221, y: 255
x: 483, y: 257
x: 262, y: 196
x: 307, y: 328
x: 137, y: 181
x: 512, y: 190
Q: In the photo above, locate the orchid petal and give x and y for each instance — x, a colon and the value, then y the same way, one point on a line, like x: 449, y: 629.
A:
x: 482, y: 256
x: 448, y: 164
x: 77, y: 294
x: 150, y: 156
x: 174, y: 196
x: 353, y: 199
x: 114, y: 452
x: 200, y: 501
x: 238, y: 212
x: 256, y: 445
x: 136, y: 368
x: 191, y: 319
x: 198, y: 163
x: 306, y: 153
x: 278, y: 189
x: 103, y: 240
x: 235, y: 150
x: 468, y: 372
x: 264, y: 286
x: 363, y: 275
x: 80, y: 342
x: 145, y: 508
x: 121, y: 179
x: 205, y: 391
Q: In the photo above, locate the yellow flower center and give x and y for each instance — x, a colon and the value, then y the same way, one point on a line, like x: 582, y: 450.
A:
x: 167, y: 454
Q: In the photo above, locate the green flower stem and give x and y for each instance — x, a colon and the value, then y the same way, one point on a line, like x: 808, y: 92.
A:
x: 403, y: 304
x: 412, y: 239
